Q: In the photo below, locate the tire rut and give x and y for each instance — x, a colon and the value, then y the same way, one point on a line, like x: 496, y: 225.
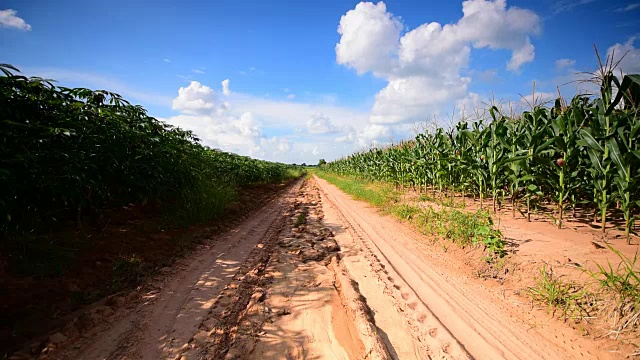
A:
x: 173, y: 311
x: 483, y: 327
x: 435, y: 340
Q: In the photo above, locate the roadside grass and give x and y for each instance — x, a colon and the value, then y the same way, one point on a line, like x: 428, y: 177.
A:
x: 620, y: 288
x: 461, y: 227
x: 378, y: 194
x: 613, y: 295
x: 294, y: 173
x: 572, y: 300
x: 208, y: 199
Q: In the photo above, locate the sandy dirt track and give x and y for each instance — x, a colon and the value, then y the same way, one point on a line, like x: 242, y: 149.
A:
x: 482, y: 324
x: 315, y: 274
x: 171, y: 314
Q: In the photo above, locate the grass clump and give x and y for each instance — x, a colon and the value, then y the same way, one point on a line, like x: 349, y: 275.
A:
x: 302, y: 219
x: 202, y: 203
x: 621, y: 287
x: 405, y: 212
x: 614, y: 296
x: 463, y: 228
x: 569, y: 298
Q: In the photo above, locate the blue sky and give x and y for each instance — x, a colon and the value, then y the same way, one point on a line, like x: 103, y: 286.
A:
x: 292, y: 95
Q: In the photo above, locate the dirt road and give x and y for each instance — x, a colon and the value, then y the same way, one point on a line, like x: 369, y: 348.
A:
x: 317, y: 275
x: 442, y: 299
x: 171, y: 312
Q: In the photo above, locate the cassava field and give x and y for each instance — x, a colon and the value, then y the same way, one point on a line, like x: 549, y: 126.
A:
x: 507, y: 235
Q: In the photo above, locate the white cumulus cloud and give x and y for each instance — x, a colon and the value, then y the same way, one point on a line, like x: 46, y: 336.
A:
x: 415, y: 98
x: 369, y: 38
x: 203, y: 113
x: 241, y: 128
x: 630, y: 55
x: 195, y: 98
x: 9, y: 19
x: 201, y: 99
x: 423, y: 66
x: 374, y: 134
x: 241, y: 134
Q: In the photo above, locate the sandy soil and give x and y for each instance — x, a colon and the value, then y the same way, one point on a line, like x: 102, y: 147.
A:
x: 300, y: 305
x: 533, y: 245
x: 175, y: 305
x: 317, y: 275
x: 486, y: 322
x: 272, y: 288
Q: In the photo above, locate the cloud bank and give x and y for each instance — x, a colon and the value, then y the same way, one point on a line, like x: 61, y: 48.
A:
x: 423, y: 66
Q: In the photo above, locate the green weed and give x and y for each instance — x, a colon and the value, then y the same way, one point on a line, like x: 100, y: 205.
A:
x: 379, y: 194
x: 404, y: 211
x: 302, y: 219
x: 623, y: 285
x: 461, y: 227
x: 569, y: 298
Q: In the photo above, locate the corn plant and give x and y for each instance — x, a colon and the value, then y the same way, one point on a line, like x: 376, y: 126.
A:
x: 583, y: 153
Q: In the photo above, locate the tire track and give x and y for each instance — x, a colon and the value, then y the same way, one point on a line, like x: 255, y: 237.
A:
x: 437, y: 342
x: 172, y: 313
x: 486, y: 329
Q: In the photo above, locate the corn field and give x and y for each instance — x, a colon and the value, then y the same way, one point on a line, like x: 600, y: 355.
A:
x: 583, y: 155
x: 66, y: 151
